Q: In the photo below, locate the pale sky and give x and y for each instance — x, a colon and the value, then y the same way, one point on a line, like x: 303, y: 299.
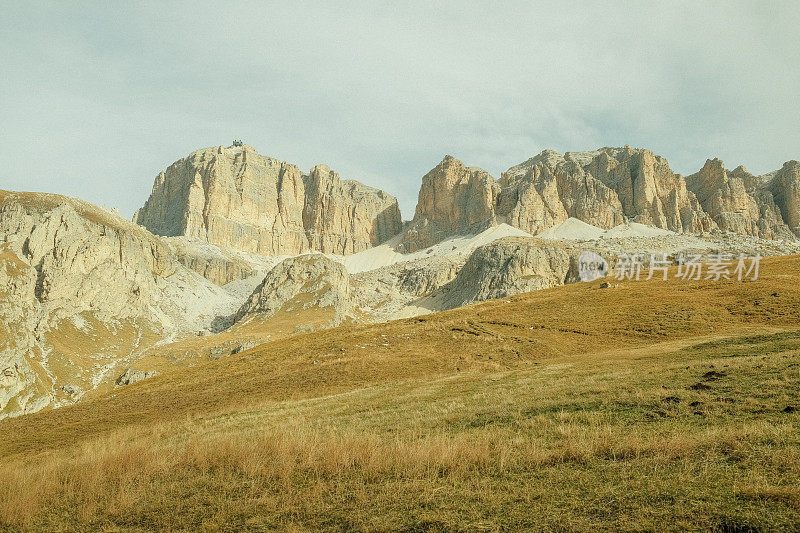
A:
x: 97, y: 98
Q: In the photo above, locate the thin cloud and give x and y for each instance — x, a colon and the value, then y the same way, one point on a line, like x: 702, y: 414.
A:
x: 99, y: 98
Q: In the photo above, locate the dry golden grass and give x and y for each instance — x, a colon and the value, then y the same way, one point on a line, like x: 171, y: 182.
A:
x: 78, y: 352
x: 190, y: 351
x: 576, y: 408
x: 561, y: 441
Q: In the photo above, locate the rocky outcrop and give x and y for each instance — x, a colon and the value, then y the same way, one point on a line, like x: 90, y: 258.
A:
x: 785, y: 188
x: 395, y: 290
x: 604, y: 188
x: 301, y: 283
x: 219, y: 270
x: 217, y: 264
x: 84, y: 258
x: 132, y: 376
x: 344, y: 217
x: 20, y: 390
x: 81, y: 291
x: 231, y: 197
x: 237, y: 198
x: 421, y: 278
x: 453, y: 199
x: 649, y: 192
x: 738, y: 202
x: 548, y: 189
x: 506, y: 267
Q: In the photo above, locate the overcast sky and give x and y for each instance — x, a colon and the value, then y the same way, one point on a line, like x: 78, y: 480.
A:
x: 96, y: 100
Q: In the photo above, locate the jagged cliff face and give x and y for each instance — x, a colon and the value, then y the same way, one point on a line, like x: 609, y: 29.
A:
x: 742, y: 203
x: 83, y: 258
x: 605, y: 188
x: 650, y: 193
x: 453, y: 198
x: 548, y: 189
x: 785, y: 189
x: 238, y: 198
x: 344, y: 217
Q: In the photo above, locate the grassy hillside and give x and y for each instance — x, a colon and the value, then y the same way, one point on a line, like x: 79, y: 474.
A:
x: 650, y: 405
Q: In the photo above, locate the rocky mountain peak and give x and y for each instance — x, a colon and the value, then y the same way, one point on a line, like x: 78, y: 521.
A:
x: 785, y: 188
x: 605, y: 187
x: 453, y: 198
x: 741, y: 170
x: 238, y: 198
x: 713, y: 174
x: 737, y: 201
x: 549, y: 158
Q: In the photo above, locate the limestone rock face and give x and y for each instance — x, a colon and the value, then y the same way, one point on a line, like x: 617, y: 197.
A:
x: 220, y: 270
x: 548, y: 189
x: 422, y: 277
x: 506, y: 267
x: 19, y: 390
x: 605, y: 188
x: 453, y: 199
x: 650, y: 193
x: 785, y: 188
x: 218, y: 264
x: 237, y: 198
x: 81, y: 291
x: 300, y: 283
x: 109, y: 266
x: 344, y: 217
x: 231, y: 197
x: 737, y: 202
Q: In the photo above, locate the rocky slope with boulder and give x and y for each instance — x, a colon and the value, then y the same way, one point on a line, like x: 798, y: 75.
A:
x: 510, y: 266
x: 310, y: 281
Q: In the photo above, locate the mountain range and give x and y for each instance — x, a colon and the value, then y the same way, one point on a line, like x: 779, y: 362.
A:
x: 236, y: 198
x: 235, y: 249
